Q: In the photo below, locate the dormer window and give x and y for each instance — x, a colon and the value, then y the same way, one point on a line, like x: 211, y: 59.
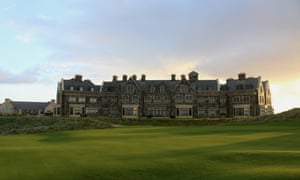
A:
x: 71, y: 88
x: 152, y: 89
x: 80, y: 88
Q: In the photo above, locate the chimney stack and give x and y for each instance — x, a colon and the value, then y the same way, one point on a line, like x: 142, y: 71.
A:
x: 173, y: 77
x: 143, y: 77
x: 134, y: 77
x: 124, y: 77
x: 242, y: 76
x: 115, y: 78
x: 78, y: 77
x: 183, y: 77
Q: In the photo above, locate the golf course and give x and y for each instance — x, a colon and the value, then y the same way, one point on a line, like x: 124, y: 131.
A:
x: 238, y: 150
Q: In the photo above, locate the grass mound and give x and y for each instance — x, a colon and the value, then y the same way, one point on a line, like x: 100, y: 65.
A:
x: 33, y: 124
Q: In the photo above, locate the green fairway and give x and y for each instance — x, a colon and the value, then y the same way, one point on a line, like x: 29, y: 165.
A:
x: 262, y: 151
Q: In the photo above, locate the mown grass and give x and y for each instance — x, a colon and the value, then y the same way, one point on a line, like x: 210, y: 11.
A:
x: 269, y: 150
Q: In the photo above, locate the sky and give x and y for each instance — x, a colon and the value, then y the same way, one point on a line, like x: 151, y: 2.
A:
x: 44, y: 41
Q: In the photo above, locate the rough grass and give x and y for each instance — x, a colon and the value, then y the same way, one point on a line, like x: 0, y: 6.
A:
x: 226, y: 151
x: 35, y: 124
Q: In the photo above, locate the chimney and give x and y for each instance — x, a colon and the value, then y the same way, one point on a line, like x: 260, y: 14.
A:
x: 143, y: 77
x: 242, y: 76
x: 183, y: 77
x: 115, y: 78
x: 173, y: 77
x: 193, y: 75
x: 134, y: 77
x: 78, y: 77
x: 124, y: 77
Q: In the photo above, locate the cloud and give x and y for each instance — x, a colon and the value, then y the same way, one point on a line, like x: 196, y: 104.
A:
x: 160, y: 37
x: 218, y: 39
x: 10, y: 78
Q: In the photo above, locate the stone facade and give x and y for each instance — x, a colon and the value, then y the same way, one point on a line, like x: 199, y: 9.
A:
x: 10, y: 107
x: 175, y: 98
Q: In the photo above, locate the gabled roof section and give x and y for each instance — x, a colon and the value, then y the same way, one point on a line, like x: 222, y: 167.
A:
x: 207, y: 85
x: 243, y: 84
x: 78, y: 83
x: 266, y: 85
x: 113, y: 86
x: 30, y: 105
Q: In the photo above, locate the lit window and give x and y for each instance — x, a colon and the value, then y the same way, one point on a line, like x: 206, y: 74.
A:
x: 81, y: 99
x: 93, y: 100
x: 72, y: 99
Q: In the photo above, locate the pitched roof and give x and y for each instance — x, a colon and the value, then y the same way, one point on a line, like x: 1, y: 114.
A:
x: 87, y: 85
x: 236, y: 84
x: 30, y: 105
x: 198, y: 85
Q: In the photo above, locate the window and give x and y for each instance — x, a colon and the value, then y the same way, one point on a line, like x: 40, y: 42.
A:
x: 80, y: 88
x: 115, y: 112
x: 246, y: 99
x: 162, y: 89
x: 236, y: 99
x: 184, y: 111
x: 130, y: 111
x: 188, y: 98
x: 157, y: 112
x: 77, y: 110
x: 114, y: 99
x: 91, y: 110
x: 93, y: 100
x: 211, y: 100
x: 135, y: 99
x: 212, y: 112
x: 178, y: 99
x: 125, y: 99
x: 201, y: 99
x: 130, y: 89
x: 167, y: 98
x: 147, y: 98
x: 183, y: 88
x: 152, y: 89
x: 92, y: 89
x: 239, y: 87
x: 201, y: 112
x: 81, y: 99
x: 72, y: 99
x: 238, y: 111
x: 223, y: 100
x: 157, y: 99
x: 71, y: 88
